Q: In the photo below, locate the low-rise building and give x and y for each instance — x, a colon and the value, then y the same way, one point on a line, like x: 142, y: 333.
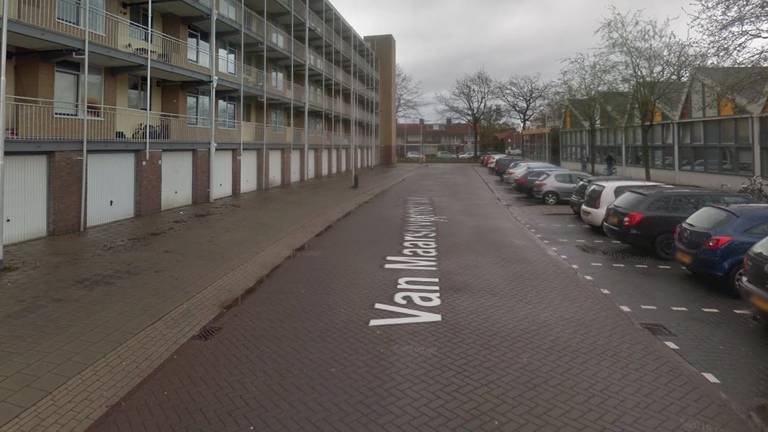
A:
x: 451, y: 137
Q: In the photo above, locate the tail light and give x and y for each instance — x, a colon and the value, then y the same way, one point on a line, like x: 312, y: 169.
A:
x: 632, y: 218
x: 716, y: 242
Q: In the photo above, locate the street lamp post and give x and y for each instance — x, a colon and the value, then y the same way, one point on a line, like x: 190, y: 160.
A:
x: 421, y: 140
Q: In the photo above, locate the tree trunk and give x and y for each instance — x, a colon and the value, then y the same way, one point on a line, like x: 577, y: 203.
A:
x: 592, y: 143
x: 477, y: 140
x: 644, y: 131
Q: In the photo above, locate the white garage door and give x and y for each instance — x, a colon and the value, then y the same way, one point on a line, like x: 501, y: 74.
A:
x: 343, y: 160
x: 295, y: 166
x: 249, y: 171
x: 110, y: 187
x: 324, y: 163
x: 359, y: 153
x: 334, y: 160
x: 176, y: 190
x: 275, y: 168
x: 311, y: 164
x: 26, y: 198
x: 222, y: 174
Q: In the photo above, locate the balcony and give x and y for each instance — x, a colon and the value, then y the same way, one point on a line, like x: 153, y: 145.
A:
x: 42, y: 120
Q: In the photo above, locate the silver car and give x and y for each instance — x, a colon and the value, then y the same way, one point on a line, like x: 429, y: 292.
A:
x: 554, y: 187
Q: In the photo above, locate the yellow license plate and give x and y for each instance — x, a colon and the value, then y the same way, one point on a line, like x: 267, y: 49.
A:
x: 683, y: 258
x: 759, y: 303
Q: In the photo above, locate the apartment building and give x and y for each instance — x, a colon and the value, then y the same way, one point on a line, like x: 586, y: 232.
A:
x: 711, y: 131
x: 122, y: 108
x: 448, y: 136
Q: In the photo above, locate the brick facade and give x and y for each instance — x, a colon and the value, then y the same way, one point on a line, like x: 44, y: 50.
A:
x: 236, y: 160
x: 262, y: 171
x: 200, y: 174
x: 65, y: 185
x: 285, y: 159
x: 148, y: 182
x: 319, y: 164
x: 303, y: 165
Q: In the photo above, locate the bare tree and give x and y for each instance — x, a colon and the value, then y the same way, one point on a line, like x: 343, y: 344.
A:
x: 408, y: 95
x: 524, y: 96
x: 653, y: 63
x: 733, y: 31
x: 471, y: 100
x: 585, y: 80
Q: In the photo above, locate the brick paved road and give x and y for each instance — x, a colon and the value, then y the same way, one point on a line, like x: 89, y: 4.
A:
x: 524, y: 343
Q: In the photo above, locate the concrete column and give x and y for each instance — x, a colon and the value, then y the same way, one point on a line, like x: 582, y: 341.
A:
x: 148, y: 183
x: 384, y: 48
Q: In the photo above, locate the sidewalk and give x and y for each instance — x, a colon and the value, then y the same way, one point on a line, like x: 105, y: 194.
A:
x: 84, y: 318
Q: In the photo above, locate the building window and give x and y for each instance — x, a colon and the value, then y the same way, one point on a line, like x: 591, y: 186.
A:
x: 72, y: 12
x: 198, y: 106
x: 726, y: 146
x: 277, y: 119
x: 278, y: 79
x: 137, y: 92
x: 139, y: 17
x: 277, y: 38
x: 68, y: 89
x: 198, y: 48
x: 226, y: 114
x: 661, y: 150
x: 227, y: 59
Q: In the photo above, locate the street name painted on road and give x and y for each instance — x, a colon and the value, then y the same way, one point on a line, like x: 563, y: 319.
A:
x: 419, y: 253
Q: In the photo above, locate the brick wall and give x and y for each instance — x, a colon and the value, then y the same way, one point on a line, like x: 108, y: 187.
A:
x: 65, y: 183
x: 286, y: 167
x: 200, y: 183
x: 319, y: 163
x: 303, y: 165
x: 148, y: 182
x: 262, y: 171
x: 236, y: 160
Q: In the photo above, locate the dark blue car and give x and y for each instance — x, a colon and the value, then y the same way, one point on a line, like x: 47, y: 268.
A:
x: 713, y: 240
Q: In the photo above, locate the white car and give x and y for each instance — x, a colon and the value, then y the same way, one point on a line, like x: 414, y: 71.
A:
x: 513, y: 173
x: 413, y: 155
x: 600, y: 195
x: 493, y: 159
x: 466, y: 155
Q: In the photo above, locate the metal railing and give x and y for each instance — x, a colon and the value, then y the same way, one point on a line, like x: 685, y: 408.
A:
x: 229, y: 9
x: 254, y: 23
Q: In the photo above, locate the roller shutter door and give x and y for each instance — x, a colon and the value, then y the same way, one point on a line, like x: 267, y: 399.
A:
x: 111, y: 178
x: 222, y: 174
x: 249, y: 171
x: 25, y: 198
x: 176, y: 190
x: 275, y: 170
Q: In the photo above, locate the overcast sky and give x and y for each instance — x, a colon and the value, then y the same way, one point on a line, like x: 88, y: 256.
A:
x: 439, y: 41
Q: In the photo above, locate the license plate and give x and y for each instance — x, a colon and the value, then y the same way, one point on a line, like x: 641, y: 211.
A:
x: 613, y: 220
x: 683, y: 258
x: 760, y: 303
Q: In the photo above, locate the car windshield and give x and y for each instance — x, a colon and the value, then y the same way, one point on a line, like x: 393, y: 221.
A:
x: 629, y: 200
x: 593, y: 196
x: 709, y: 218
x: 580, y: 190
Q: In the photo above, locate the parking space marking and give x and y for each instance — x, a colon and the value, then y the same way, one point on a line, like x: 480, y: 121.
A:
x: 648, y: 307
x: 711, y: 378
x: 625, y: 308
x: 563, y: 257
x: 574, y: 266
x: 605, y: 291
x: 571, y: 226
x: 581, y: 241
x: 618, y: 265
x: 597, y: 264
x: 615, y: 242
x: 641, y: 266
x: 665, y: 267
x: 546, y: 241
x: 563, y: 240
x: 599, y: 241
x: 679, y: 309
x: 589, y: 278
x: 672, y: 345
x: 710, y: 310
x: 743, y: 312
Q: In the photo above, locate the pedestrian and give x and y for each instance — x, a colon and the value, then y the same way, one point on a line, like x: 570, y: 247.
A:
x: 609, y: 162
x: 583, y: 164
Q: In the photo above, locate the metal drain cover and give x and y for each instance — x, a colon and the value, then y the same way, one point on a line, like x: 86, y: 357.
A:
x: 206, y: 333
x: 657, y: 329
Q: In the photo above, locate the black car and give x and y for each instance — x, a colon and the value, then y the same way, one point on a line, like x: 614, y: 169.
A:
x: 502, y: 164
x: 753, y: 285
x: 648, y: 217
x: 579, y: 194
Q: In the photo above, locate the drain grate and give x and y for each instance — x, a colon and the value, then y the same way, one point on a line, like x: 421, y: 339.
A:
x: 657, y: 329
x: 206, y: 333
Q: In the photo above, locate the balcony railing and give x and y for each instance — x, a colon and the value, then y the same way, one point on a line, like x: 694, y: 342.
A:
x: 300, y: 9
x: 254, y: 23
x: 229, y: 9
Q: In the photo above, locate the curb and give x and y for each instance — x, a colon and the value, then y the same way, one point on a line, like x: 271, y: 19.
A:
x: 81, y: 401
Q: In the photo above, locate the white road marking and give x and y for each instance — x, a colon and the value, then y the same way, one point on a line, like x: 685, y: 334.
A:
x: 556, y: 226
x: 533, y: 230
x: 571, y: 226
x: 615, y: 242
x: 574, y: 266
x: 710, y: 310
x: 665, y: 267
x: 554, y: 248
x: 563, y: 257
x: 648, y: 307
x: 563, y: 240
x: 625, y: 309
x: 679, y: 309
x: 581, y: 241
x: 599, y: 241
x: 743, y: 312
x: 546, y: 241
x: 597, y: 264
x: 589, y: 278
x: 682, y: 268
x: 641, y: 266
x: 605, y: 291
x: 711, y: 378
x: 618, y: 265
x: 538, y: 235
x: 671, y: 345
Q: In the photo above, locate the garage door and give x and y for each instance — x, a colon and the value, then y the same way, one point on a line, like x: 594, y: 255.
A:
x: 275, y: 168
x: 343, y: 160
x: 359, y: 157
x: 110, y: 187
x: 295, y: 165
x: 334, y: 160
x: 311, y: 164
x: 176, y: 190
x: 222, y: 174
x: 249, y: 171
x: 25, y: 200
x: 324, y: 163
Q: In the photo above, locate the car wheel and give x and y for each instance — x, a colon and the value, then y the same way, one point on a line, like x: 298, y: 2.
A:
x: 551, y: 198
x: 734, y: 276
x: 664, y: 246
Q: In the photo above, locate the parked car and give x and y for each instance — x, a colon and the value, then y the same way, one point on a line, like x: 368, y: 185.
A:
x: 504, y: 163
x: 485, y: 156
x: 600, y: 195
x: 492, y: 160
x: 413, y: 155
x: 445, y: 155
x: 647, y: 217
x: 753, y: 284
x: 513, y: 173
x: 577, y: 198
x: 524, y: 183
x: 554, y: 187
x: 466, y: 155
x: 714, y: 240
